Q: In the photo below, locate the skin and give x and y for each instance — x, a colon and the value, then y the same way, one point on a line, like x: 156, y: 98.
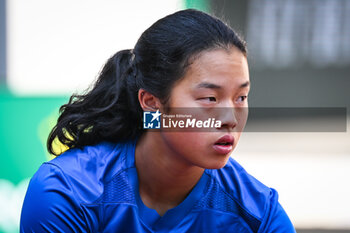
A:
x: 169, y: 164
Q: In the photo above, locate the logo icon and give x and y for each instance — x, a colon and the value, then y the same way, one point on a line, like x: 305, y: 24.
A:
x: 151, y: 120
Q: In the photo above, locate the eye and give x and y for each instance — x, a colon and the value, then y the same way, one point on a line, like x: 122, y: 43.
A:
x: 242, y: 98
x: 208, y: 99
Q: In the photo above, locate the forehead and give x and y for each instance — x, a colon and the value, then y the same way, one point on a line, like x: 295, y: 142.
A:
x: 220, y: 66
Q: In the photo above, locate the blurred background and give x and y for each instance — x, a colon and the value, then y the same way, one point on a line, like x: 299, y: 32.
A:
x: 299, y: 56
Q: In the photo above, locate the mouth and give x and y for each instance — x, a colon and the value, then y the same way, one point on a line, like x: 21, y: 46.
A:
x: 224, y: 145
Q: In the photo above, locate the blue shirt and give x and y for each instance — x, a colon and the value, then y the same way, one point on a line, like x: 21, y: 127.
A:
x: 96, y: 190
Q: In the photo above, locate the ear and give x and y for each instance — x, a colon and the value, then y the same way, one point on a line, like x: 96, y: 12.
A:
x: 148, y: 101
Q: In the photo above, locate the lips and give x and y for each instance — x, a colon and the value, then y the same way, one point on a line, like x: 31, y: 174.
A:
x: 224, y: 145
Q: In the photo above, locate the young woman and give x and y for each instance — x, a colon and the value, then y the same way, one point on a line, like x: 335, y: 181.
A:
x: 118, y: 177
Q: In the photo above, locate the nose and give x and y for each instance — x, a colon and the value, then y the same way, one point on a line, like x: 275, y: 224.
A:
x: 228, y: 118
x: 233, y: 118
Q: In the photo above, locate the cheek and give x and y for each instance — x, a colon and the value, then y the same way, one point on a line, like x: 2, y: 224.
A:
x: 241, y: 115
x: 237, y: 135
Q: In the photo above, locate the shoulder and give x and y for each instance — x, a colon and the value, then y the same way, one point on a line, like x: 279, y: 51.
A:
x: 60, y: 187
x: 50, y: 203
x: 91, y: 166
x: 246, y: 196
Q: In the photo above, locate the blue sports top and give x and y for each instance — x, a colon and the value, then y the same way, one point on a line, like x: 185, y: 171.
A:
x: 95, y: 189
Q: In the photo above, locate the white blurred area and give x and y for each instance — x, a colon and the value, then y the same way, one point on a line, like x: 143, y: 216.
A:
x: 310, y: 171
x: 283, y: 33
x: 58, y: 47
x: 11, y: 200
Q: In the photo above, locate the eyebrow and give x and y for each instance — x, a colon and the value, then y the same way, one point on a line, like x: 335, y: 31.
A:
x: 246, y: 84
x: 214, y: 86
x: 208, y: 85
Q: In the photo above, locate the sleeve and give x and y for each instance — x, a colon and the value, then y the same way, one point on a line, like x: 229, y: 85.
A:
x: 49, y: 204
x: 276, y: 219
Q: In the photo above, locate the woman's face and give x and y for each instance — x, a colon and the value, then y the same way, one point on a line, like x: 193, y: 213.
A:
x: 216, y: 81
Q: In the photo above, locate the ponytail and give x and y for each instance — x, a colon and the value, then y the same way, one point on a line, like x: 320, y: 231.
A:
x: 110, y: 111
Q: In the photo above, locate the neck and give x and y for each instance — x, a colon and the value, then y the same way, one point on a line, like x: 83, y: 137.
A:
x: 165, y: 179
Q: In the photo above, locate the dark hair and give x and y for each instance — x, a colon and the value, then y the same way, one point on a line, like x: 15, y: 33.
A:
x: 110, y: 111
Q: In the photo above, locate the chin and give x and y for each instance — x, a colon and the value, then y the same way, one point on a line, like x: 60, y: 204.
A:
x: 217, y: 164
